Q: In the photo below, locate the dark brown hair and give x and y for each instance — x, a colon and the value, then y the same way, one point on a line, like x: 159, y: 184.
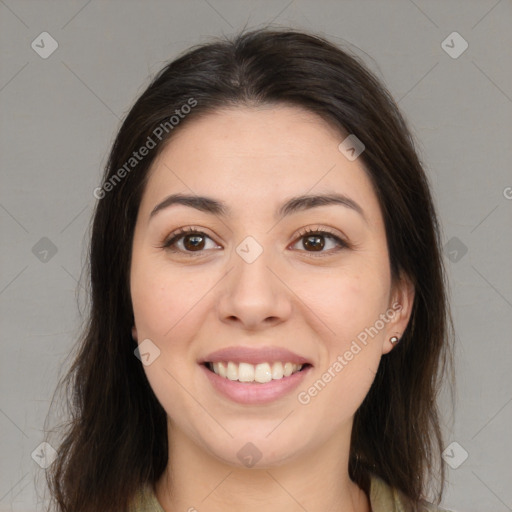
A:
x: 116, y: 437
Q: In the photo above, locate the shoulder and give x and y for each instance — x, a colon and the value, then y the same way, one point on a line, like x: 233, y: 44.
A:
x: 384, y: 498
x: 145, y: 500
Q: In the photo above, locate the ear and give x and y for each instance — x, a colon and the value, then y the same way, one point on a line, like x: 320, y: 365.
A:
x: 134, y: 333
x: 399, y: 312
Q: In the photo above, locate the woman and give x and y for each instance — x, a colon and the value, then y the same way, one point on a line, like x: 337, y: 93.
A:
x: 268, y: 322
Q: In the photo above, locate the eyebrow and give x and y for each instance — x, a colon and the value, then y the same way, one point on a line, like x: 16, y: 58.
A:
x: 293, y: 205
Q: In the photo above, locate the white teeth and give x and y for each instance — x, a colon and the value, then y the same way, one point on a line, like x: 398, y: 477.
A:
x: 277, y: 371
x: 232, y: 373
x: 262, y: 372
x: 245, y: 372
x: 222, y: 370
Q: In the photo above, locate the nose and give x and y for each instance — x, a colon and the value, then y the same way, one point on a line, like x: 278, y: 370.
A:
x: 253, y: 295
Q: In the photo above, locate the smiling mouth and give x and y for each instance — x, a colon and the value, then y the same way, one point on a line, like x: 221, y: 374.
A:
x: 259, y: 373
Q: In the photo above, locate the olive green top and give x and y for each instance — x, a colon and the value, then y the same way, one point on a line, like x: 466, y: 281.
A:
x: 383, y: 498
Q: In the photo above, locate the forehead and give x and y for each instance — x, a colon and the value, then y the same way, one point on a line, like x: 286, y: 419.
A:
x: 258, y: 156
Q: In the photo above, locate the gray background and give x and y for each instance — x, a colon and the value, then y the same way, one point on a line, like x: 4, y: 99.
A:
x: 59, y: 116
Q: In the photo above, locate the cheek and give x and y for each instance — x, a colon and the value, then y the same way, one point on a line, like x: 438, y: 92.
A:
x: 347, y: 302
x: 162, y: 298
x: 349, y: 358
x: 169, y: 307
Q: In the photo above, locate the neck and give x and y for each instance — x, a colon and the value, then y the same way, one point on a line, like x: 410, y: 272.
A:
x: 318, y: 481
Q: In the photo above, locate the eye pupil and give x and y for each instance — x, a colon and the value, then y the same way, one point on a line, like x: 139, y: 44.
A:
x: 314, y: 242
x: 192, y: 242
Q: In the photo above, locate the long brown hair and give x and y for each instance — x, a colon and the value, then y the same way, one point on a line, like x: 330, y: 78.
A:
x: 116, y: 438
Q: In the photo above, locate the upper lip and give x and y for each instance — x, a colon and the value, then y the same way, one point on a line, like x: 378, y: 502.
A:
x: 254, y: 355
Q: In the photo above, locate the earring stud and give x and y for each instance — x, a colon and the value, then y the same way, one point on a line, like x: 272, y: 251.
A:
x: 394, y: 340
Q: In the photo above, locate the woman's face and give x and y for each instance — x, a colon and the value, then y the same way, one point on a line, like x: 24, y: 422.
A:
x: 261, y: 270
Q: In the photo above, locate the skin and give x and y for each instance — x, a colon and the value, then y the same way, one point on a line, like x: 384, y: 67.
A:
x: 254, y: 159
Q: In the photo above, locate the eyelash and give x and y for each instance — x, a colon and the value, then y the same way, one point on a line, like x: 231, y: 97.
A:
x: 305, y: 232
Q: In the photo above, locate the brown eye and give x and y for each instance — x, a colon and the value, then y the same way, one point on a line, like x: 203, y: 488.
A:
x: 313, y: 242
x: 188, y: 241
x: 193, y: 242
x: 319, y: 241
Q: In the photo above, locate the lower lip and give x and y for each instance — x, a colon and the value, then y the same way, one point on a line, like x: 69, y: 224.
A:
x: 253, y: 392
